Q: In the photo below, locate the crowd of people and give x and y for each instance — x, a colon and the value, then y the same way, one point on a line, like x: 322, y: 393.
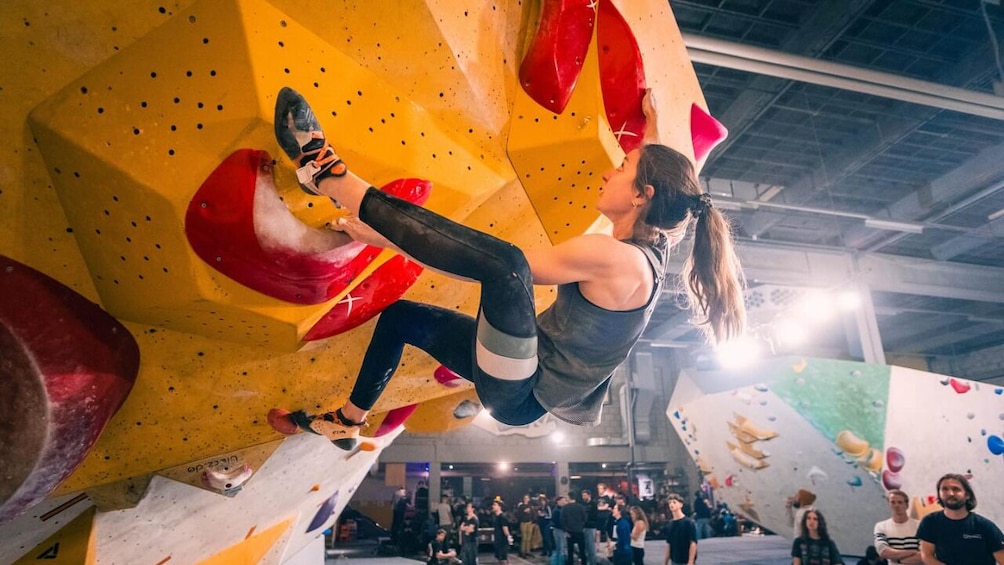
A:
x: 605, y: 527
x: 610, y: 528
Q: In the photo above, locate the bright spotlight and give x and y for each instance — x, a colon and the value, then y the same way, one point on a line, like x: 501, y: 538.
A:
x: 558, y: 436
x: 738, y: 353
x: 849, y: 300
x: 503, y: 466
x: 816, y: 307
x: 789, y: 332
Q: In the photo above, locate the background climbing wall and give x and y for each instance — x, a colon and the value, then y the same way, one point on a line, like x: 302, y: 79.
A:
x: 843, y: 430
x: 116, y: 117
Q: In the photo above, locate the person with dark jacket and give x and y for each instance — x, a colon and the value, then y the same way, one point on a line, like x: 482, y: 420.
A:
x: 591, y: 530
x: 622, y: 553
x: 573, y: 519
x: 558, y: 530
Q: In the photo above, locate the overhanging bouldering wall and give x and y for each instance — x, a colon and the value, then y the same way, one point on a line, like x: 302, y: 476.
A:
x: 140, y: 173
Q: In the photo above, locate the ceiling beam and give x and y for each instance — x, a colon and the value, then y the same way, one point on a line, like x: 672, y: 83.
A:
x: 965, y: 243
x: 710, y: 51
x: 902, y: 120
x: 902, y: 331
x: 767, y: 263
x: 943, y: 337
x: 986, y: 168
x: 815, y: 35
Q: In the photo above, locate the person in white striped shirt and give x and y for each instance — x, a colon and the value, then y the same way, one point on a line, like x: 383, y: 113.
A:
x: 896, y: 538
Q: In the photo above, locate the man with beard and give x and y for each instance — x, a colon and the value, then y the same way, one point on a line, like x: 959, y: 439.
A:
x: 957, y: 535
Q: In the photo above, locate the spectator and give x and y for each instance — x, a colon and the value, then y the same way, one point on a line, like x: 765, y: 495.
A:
x: 439, y: 551
x: 573, y: 518
x: 872, y: 557
x: 621, y: 553
x: 639, y: 528
x: 681, y: 535
x: 469, y: 536
x: 896, y: 538
x: 815, y: 547
x: 702, y: 514
x: 957, y: 535
x: 503, y: 536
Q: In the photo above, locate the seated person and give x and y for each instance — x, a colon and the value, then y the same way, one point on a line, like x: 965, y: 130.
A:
x: 439, y: 552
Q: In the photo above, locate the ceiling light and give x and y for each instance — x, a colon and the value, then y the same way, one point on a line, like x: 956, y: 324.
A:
x: 849, y: 300
x: 738, y: 353
x: 789, y: 333
x: 894, y: 225
x: 770, y: 193
x: 816, y: 307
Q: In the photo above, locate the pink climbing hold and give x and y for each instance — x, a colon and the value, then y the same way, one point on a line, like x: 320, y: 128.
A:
x: 705, y: 132
x: 394, y: 419
x: 447, y: 377
x: 960, y: 386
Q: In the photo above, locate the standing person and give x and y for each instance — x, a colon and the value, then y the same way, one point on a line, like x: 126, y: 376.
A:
x: 957, y: 535
x: 896, y: 538
x: 422, y: 499
x: 544, y: 516
x: 558, y: 531
x: 681, y: 535
x: 702, y: 514
x: 399, y: 505
x: 444, y: 511
x: 796, y: 507
x: 815, y: 547
x: 526, y: 515
x: 469, y: 536
x: 622, y: 554
x: 590, y: 530
x: 573, y: 518
x: 524, y: 366
x: 639, y: 528
x: 503, y: 537
x: 603, y: 492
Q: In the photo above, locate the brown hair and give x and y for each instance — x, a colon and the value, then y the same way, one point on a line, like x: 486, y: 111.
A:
x: 637, y: 514
x: 897, y: 492
x: 970, y: 501
x: 821, y: 529
x: 713, y: 275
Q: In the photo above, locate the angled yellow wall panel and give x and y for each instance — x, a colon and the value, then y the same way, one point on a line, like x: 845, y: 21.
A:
x: 560, y: 159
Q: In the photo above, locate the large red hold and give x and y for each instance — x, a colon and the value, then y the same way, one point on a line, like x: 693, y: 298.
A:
x: 622, y: 77
x: 66, y: 366
x: 554, y: 60
x: 220, y: 225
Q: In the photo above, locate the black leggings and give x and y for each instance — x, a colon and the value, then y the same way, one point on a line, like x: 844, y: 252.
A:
x: 507, y: 305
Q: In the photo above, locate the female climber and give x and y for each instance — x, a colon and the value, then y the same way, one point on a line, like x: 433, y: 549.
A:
x: 523, y: 365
